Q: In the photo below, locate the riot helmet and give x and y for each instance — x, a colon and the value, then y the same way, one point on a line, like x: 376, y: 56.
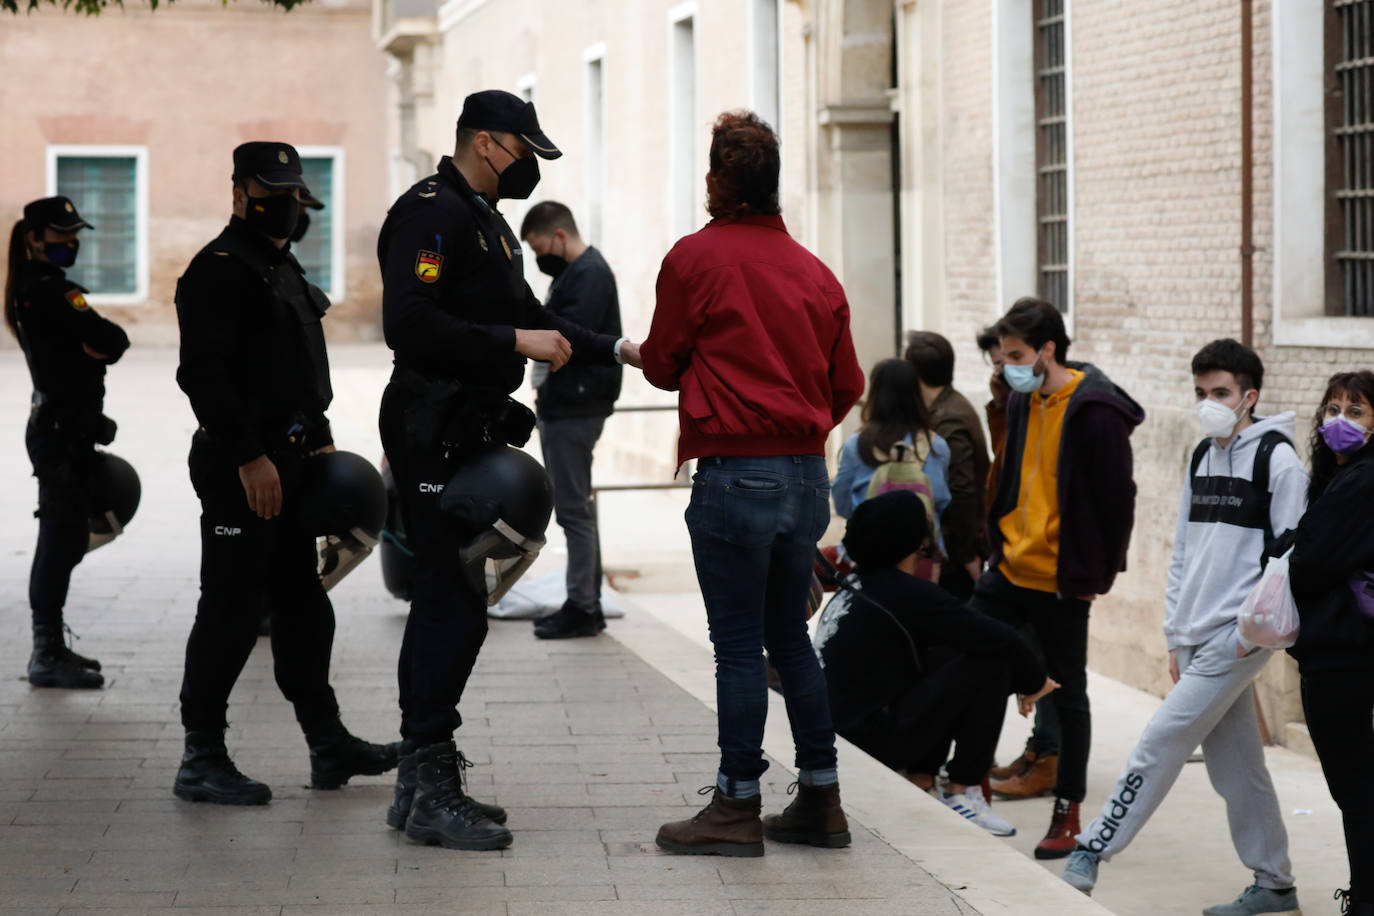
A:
x: 115, y: 493
x: 500, y: 499
x: 343, y: 503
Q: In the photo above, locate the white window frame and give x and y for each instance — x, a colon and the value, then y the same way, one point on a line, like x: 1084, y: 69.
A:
x: 766, y: 79
x: 683, y: 163
x: 595, y: 129
x: 335, y: 210
x: 525, y: 87
x: 1299, y: 293
x: 140, y: 156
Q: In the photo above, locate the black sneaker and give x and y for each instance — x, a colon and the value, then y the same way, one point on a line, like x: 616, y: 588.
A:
x: 61, y: 668
x: 208, y: 775
x: 570, y: 623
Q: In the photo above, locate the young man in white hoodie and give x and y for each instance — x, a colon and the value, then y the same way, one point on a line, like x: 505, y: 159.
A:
x: 1230, y: 506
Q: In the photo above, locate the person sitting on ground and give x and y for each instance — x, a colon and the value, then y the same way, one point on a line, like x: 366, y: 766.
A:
x: 909, y: 670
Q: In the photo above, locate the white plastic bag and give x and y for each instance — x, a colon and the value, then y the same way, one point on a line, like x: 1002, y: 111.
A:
x: 1269, y: 617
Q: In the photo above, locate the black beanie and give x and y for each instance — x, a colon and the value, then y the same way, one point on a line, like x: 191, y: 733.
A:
x: 886, y: 529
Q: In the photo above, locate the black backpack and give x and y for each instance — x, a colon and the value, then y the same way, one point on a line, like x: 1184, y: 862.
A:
x: 1233, y: 500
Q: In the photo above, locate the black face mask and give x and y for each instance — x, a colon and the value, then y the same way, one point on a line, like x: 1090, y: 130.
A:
x: 519, y: 179
x: 275, y: 217
x: 552, y: 264
x: 61, y: 254
x: 302, y: 225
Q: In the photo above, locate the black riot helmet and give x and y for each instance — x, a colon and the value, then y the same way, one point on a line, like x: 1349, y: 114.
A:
x: 341, y: 494
x: 501, y: 500
x: 343, y: 503
x: 115, y: 493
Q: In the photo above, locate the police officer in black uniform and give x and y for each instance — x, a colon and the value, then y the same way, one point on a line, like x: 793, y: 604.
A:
x: 67, y: 347
x: 462, y: 321
x: 254, y: 366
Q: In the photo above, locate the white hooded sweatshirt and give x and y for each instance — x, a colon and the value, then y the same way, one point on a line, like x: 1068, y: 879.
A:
x: 1216, y: 560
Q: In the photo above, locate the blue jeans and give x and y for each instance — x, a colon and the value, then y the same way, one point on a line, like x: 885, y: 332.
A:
x: 754, y: 524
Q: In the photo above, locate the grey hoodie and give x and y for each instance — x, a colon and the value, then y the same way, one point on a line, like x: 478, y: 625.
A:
x: 1215, y: 563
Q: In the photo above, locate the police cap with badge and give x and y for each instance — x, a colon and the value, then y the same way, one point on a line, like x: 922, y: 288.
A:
x: 57, y: 213
x: 271, y: 164
x: 498, y: 110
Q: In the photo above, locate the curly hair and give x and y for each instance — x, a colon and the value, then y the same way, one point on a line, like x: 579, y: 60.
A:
x: 1354, y: 385
x: 744, y: 167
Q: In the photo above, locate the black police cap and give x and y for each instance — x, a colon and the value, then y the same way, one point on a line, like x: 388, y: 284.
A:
x: 271, y: 164
x: 494, y: 109
x: 54, y: 213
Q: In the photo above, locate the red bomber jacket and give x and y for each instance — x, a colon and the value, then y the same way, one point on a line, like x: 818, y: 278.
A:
x: 752, y: 330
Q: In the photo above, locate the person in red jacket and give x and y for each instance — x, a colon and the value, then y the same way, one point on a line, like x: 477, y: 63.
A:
x: 752, y: 330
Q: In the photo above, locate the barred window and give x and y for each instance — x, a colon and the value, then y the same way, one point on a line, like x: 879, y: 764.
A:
x: 316, y: 250
x: 1051, y: 153
x: 1350, y: 157
x: 105, y: 191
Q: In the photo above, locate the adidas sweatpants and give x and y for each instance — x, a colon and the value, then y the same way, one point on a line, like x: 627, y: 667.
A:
x: 1210, y: 705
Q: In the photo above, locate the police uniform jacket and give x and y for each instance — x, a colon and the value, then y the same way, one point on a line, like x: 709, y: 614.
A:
x: 55, y: 321
x: 253, y: 360
x: 454, y: 288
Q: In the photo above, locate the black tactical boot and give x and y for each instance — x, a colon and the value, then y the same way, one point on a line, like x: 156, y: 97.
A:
x: 569, y: 622
x: 441, y: 814
x: 336, y: 755
x: 52, y: 664
x: 207, y: 774
x: 399, y: 811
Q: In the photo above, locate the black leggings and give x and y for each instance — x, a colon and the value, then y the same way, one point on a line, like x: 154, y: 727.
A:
x: 1339, y: 706
x: 64, y: 467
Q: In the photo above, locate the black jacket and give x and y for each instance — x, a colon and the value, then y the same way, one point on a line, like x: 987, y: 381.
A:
x: 55, y: 322
x: 584, y: 294
x: 253, y: 358
x: 454, y: 290
x: 1334, y: 539
x: 1095, y: 482
x: 867, y: 661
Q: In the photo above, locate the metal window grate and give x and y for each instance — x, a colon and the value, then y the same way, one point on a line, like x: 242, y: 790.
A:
x: 316, y: 250
x: 1051, y: 153
x: 104, y: 189
x: 1350, y: 162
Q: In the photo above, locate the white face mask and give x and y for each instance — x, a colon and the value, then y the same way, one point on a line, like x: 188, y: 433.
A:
x: 1218, y: 420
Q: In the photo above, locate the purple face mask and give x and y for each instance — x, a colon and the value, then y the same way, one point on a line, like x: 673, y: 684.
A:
x: 1343, y: 435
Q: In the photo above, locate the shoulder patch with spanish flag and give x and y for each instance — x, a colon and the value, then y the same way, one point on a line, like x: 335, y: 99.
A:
x: 77, y: 300
x: 427, y: 264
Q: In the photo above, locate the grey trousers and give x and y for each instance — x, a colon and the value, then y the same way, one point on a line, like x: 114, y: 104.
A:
x: 1210, y: 704
x: 567, y: 447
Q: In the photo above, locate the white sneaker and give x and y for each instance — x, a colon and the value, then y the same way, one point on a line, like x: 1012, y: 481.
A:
x: 971, y: 805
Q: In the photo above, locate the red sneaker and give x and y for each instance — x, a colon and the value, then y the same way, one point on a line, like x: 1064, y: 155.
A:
x: 1061, y: 838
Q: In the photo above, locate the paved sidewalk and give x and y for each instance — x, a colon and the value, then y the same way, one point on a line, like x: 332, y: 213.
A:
x: 589, y: 746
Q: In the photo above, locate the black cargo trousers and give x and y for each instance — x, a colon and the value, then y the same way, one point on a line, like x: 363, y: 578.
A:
x: 447, y: 624
x: 245, y: 561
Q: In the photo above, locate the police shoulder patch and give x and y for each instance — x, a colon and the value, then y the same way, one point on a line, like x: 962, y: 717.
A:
x: 427, y: 265
x: 77, y: 300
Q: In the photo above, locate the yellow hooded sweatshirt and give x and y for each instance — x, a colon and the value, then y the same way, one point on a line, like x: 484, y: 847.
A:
x: 1030, y: 552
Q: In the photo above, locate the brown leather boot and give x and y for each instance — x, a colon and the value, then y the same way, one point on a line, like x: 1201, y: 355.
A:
x: 1035, y: 779
x: 1016, y: 766
x: 814, y: 818
x: 725, y: 827
x: 1060, y: 839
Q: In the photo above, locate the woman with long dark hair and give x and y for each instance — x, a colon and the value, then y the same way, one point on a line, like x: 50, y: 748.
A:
x: 753, y: 330
x: 893, y: 414
x: 67, y: 347
x: 1333, y: 550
